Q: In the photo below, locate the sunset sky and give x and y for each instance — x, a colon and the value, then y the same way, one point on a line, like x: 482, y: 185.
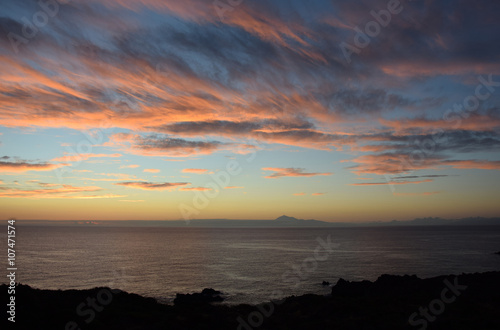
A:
x: 332, y: 110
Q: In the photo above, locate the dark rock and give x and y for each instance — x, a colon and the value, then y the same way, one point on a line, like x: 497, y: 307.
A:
x: 386, y: 303
x: 325, y: 283
x: 497, y: 252
x: 206, y: 296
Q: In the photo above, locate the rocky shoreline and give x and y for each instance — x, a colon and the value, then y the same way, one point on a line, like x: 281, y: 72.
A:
x: 467, y: 301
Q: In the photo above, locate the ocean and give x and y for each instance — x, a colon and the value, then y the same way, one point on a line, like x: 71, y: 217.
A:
x: 249, y: 265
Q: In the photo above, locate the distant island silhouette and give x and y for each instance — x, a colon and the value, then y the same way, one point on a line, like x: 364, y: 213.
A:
x: 282, y: 221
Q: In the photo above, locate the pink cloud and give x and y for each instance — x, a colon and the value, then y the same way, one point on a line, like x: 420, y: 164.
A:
x: 151, y: 170
x: 195, y: 170
x: 152, y: 185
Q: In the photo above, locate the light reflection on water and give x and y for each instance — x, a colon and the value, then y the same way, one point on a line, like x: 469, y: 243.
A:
x: 247, y: 264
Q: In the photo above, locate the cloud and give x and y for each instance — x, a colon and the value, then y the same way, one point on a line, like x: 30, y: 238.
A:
x: 97, y: 196
x: 131, y: 200
x: 473, y: 122
x: 474, y: 164
x: 129, y: 166
x: 421, y: 176
x: 234, y: 187
x: 158, y: 145
x: 152, y: 185
x: 270, y: 72
x: 61, y: 192
x: 43, y: 184
x: 299, y: 194
x: 25, y: 166
x: 151, y: 170
x: 390, y: 183
x: 195, y: 170
x: 317, y: 194
x: 195, y: 189
x: 285, y: 172
x: 392, y: 163
x: 82, y: 157
x: 430, y: 193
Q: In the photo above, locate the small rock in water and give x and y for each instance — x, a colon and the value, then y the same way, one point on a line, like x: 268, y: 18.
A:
x: 325, y: 283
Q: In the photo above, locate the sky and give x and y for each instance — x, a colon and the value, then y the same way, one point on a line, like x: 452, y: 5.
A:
x: 194, y: 109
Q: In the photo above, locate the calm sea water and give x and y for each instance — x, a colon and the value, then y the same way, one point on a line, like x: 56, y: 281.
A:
x: 246, y: 264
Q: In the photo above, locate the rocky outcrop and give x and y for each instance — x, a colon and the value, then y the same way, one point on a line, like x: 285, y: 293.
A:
x: 469, y: 301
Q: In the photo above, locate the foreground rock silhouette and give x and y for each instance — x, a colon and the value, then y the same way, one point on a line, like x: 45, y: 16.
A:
x: 385, y: 304
x: 206, y: 296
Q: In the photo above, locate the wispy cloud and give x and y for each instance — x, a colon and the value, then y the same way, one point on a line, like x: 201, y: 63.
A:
x: 389, y: 183
x: 62, y: 192
x: 280, y: 172
x: 82, y: 157
x: 430, y: 193
x: 194, y: 189
x: 25, y: 166
x: 474, y: 164
x: 129, y: 166
x: 152, y: 185
x: 195, y: 170
x: 151, y: 170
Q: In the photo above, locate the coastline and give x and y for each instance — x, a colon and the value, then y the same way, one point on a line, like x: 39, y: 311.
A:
x: 463, y: 301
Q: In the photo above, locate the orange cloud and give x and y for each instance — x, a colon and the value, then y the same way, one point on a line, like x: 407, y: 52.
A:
x: 390, y: 163
x: 389, y: 183
x: 195, y: 170
x: 418, y: 194
x: 152, y: 185
x: 290, y: 171
x: 416, y: 69
x: 96, y: 196
x: 24, y: 166
x: 234, y: 187
x: 64, y: 191
x: 473, y: 122
x: 195, y: 189
x: 151, y: 170
x: 129, y: 166
x: 161, y: 146
x: 299, y: 194
x: 82, y: 157
x: 250, y: 17
x: 474, y: 164
x: 317, y: 194
x: 372, y: 148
